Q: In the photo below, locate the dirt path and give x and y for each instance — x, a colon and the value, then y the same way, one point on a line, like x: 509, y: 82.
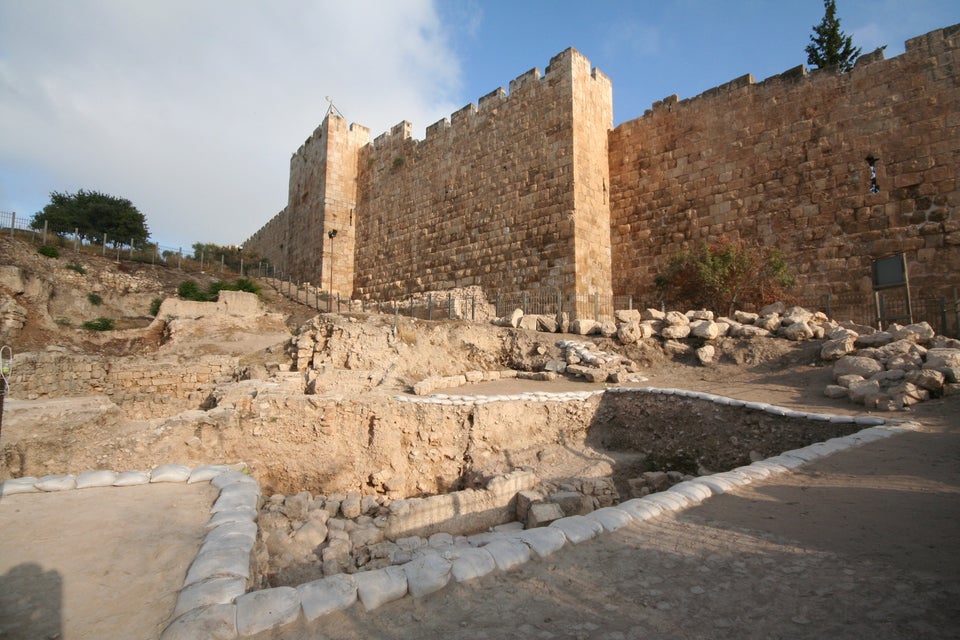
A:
x: 97, y: 564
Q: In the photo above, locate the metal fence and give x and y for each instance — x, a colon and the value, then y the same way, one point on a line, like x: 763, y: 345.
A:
x: 80, y: 241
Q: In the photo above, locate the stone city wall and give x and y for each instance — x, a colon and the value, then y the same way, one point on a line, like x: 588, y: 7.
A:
x: 787, y: 162
x: 142, y: 389
x: 535, y: 190
x: 488, y: 198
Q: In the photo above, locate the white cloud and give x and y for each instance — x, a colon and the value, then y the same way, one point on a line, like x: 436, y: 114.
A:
x: 192, y: 109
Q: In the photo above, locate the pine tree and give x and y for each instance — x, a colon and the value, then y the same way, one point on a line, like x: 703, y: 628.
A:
x: 830, y: 47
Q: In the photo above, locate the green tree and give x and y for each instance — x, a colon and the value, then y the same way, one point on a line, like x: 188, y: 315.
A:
x: 94, y: 215
x: 829, y: 46
x: 724, y: 275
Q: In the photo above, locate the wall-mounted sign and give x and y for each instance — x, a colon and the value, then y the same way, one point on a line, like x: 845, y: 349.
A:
x: 890, y: 272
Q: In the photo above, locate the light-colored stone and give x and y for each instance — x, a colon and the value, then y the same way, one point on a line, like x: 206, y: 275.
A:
x: 266, y: 609
x: 427, y: 573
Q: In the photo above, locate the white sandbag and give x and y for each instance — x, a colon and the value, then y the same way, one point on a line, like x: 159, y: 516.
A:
x: 18, y: 485
x: 132, y: 478
x: 267, y: 609
x: 610, y: 518
x: 543, y: 540
x: 333, y: 593
x: 56, y: 483
x: 170, y: 473
x: 508, y: 553
x: 376, y: 588
x: 229, y: 562
x: 427, y: 573
x: 202, y: 594
x: 578, y: 529
x: 216, y: 622
x: 207, y: 472
x: 100, y: 478
x: 468, y: 563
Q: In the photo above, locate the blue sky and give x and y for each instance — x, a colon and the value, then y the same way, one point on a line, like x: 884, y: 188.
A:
x: 191, y: 108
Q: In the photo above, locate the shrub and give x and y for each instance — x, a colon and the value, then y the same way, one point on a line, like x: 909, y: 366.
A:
x: 100, y: 324
x: 155, y: 306
x: 47, y: 250
x: 94, y: 299
x: 190, y: 290
x: 76, y: 267
x: 724, y: 275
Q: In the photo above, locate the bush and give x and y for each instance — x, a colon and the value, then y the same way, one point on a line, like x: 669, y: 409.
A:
x: 155, y: 306
x: 100, y: 324
x: 190, y: 290
x: 75, y: 267
x: 94, y: 299
x: 47, y: 250
x: 725, y: 275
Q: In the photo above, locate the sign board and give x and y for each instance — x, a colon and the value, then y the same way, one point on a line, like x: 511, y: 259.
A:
x: 890, y: 272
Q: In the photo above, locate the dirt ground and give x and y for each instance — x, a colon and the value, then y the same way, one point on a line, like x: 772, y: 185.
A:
x: 97, y: 563
x: 860, y: 544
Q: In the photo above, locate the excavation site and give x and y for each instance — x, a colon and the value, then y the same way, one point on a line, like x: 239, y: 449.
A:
x: 359, y: 460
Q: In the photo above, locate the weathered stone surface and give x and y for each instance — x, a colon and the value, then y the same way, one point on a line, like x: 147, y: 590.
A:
x: 584, y: 326
x: 629, y: 332
x: 797, y: 331
x: 929, y: 379
x: 675, y: 318
x: 837, y: 348
x: 543, y: 540
x: 624, y: 316
x: 675, y: 332
x: 705, y: 354
x: 940, y: 357
x: 543, y: 513
x: 705, y: 329
x: 878, y: 339
x: 652, y: 314
x: 856, y: 365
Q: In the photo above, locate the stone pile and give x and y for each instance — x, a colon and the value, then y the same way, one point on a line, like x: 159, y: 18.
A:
x: 892, y: 369
x: 584, y: 360
x: 653, y: 481
x: 633, y: 325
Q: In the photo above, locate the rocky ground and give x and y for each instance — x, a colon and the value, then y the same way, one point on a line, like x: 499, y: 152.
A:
x: 853, y: 546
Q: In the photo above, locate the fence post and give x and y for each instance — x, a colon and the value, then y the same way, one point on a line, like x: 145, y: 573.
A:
x: 596, y: 307
x: 45, y: 222
x: 449, y: 306
x: 430, y: 306
x: 827, y: 306
x: 473, y: 308
x: 943, y: 316
x: 13, y: 222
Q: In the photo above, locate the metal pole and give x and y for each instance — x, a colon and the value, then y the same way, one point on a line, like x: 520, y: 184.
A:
x: 45, y: 222
x: 430, y: 306
x: 6, y: 366
x: 13, y: 222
